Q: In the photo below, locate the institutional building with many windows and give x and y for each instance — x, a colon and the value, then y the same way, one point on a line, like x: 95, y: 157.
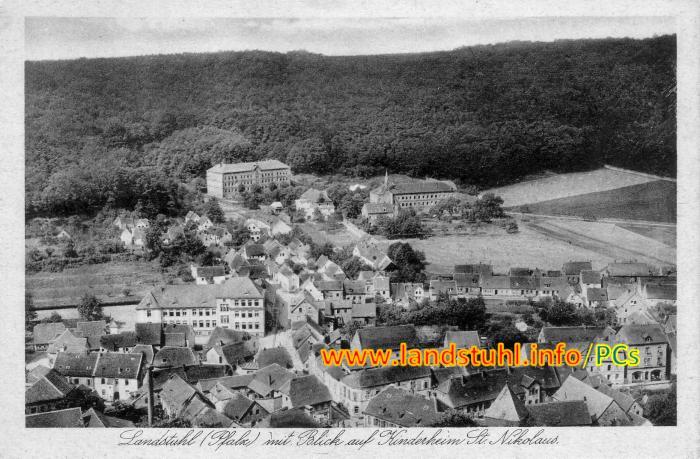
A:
x: 237, y: 304
x: 418, y: 194
x: 227, y: 180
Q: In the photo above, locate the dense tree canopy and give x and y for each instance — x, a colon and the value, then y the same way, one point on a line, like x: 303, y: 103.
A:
x: 97, y: 129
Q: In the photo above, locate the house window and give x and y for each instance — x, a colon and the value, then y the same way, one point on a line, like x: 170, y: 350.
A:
x: 103, y: 382
x: 148, y: 313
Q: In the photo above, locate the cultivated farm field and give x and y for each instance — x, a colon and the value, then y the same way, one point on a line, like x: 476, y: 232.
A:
x: 651, y: 201
x: 109, y: 282
x: 566, y: 185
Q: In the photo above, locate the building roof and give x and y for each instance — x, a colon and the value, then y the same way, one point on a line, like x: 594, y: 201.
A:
x: 43, y: 333
x: 118, y: 365
x: 313, y: 195
x: 79, y: 365
x: 269, y: 379
x: 189, y: 296
x: 389, y: 337
x: 294, y: 418
x: 375, y: 208
x: 222, y: 336
x: 149, y: 334
x: 255, y: 250
x: 71, y: 417
x: 590, y: 277
x: 560, y: 414
x: 624, y: 399
x: 463, y: 339
x: 421, y: 186
x: 68, y: 342
x: 325, y: 286
x: 364, y: 310
x: 174, y: 357
x: 382, y: 376
x: 209, y: 418
x: 630, y: 269
x: 237, y: 407
x: 93, y: 418
x: 146, y: 350
x: 596, y: 401
x: 354, y: 287
x: 495, y: 282
x: 663, y: 292
x: 306, y: 390
x: 574, y: 268
x: 114, y: 342
x: 596, y: 294
x: 641, y: 334
x: 524, y: 282
x: 275, y: 355
x: 266, y: 164
x: 476, y: 388
x: 507, y: 407
x: 210, y: 271
x: 573, y: 334
x: 51, y: 386
x: 235, y: 353
x: 176, y: 392
x: 402, y: 408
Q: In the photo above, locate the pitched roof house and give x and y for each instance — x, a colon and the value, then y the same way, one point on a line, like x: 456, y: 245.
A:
x: 394, y: 407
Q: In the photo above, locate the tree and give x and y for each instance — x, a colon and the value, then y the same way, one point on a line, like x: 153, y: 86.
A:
x: 453, y: 418
x: 53, y: 318
x: 90, y: 308
x: 352, y: 266
x: 488, y: 207
x: 213, y: 211
x: 559, y: 313
x: 409, y: 264
x: 29, y: 312
x: 661, y: 409
x: 69, y: 250
x: 348, y: 329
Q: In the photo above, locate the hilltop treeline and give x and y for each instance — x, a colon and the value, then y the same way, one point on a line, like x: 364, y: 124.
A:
x: 485, y: 115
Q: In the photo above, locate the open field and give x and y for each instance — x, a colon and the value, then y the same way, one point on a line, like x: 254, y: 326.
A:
x: 527, y: 248
x: 607, y: 238
x: 650, y: 201
x: 566, y: 185
x: 117, y: 282
x: 664, y: 235
x: 542, y: 243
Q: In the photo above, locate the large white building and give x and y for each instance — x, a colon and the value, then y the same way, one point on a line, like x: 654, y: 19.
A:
x: 226, y: 180
x: 237, y: 304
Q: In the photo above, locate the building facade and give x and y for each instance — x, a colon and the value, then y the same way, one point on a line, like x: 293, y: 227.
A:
x: 236, y: 303
x: 418, y: 195
x: 227, y: 180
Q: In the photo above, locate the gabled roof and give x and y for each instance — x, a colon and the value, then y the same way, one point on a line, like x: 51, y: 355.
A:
x: 93, y: 418
x: 266, y: 164
x: 79, y: 365
x: 114, y: 342
x: 559, y: 414
x: 573, y: 268
x: 44, y: 333
x: 596, y: 401
x: 237, y: 407
x: 176, y: 392
x: 463, y: 339
x: 641, y: 334
x: 495, y: 282
x: 623, y: 399
x: 661, y: 292
x: 118, y: 365
x: 92, y: 328
x: 146, y: 350
x: 354, y: 287
x: 71, y: 417
x: 387, y: 337
x: 313, y: 195
x: 507, y: 407
x: 149, y: 334
x: 275, y: 355
x: 37, y: 373
x: 68, y: 342
x: 630, y: 269
x: 364, y: 310
x: 188, y: 295
x: 229, y: 382
x: 235, y: 353
x: 480, y: 387
x: 295, y: 418
x: 174, y: 357
x: 209, y: 418
x: 325, y: 286
x: 210, y: 271
x: 597, y: 294
x: 52, y: 386
x: 270, y: 378
x: 573, y: 334
x: 224, y: 336
x: 402, y: 408
x: 382, y: 376
x: 306, y: 390
x: 590, y: 277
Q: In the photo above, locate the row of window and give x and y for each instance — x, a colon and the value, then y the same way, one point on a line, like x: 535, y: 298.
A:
x: 240, y: 303
x: 195, y: 324
x: 184, y: 312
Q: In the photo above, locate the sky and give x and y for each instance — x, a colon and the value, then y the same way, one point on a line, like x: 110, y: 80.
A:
x: 69, y: 38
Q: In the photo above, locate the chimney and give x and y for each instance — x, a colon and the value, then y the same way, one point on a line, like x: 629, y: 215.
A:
x: 149, y: 378
x: 269, y: 380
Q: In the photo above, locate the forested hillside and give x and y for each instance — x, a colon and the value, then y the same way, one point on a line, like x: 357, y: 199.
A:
x: 125, y: 129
